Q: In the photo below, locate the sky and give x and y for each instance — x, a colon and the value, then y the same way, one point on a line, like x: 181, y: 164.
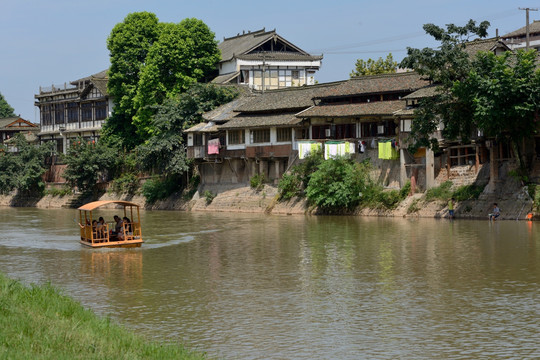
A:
x: 45, y: 42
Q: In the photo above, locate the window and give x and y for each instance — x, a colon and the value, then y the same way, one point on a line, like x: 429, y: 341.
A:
x: 101, y: 110
x: 46, y: 115
x: 334, y: 131
x: 406, y: 125
x: 59, y: 114
x: 373, y: 129
x: 260, y: 136
x: 236, y: 137
x: 86, y: 112
x: 197, y: 139
x: 73, y: 112
x: 284, y: 134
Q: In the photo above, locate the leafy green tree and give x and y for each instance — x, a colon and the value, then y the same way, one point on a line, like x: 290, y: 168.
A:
x: 374, y: 67
x: 5, y: 109
x: 184, y: 54
x: 165, y: 152
x: 503, y: 92
x: 151, y: 62
x: 23, y: 170
x: 338, y: 185
x: 128, y: 44
x: 87, y: 162
x: 448, y: 63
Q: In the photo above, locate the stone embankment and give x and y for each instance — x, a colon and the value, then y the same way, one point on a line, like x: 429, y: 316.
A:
x: 512, y: 198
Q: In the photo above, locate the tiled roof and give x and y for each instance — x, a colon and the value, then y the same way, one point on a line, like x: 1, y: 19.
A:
x: 100, y: 75
x: 227, y: 111
x: 292, y: 98
x: 243, y: 43
x: 376, y: 84
x: 261, y: 120
x: 280, y: 56
x: 473, y: 47
x: 203, y: 127
x: 376, y: 108
x: 405, y: 112
x: 225, y: 78
x: 424, y: 92
x: 6, y: 122
x: 534, y: 28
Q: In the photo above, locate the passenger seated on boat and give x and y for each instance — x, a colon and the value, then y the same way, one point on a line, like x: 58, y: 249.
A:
x: 118, y: 225
x: 125, y: 230
x: 100, y: 227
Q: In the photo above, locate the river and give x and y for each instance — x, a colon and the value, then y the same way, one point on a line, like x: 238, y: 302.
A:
x: 249, y: 286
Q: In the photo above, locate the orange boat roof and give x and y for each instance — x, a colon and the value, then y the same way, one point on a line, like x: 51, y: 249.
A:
x: 95, y: 204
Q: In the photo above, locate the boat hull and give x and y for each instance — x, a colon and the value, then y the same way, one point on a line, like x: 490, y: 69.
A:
x: 113, y: 244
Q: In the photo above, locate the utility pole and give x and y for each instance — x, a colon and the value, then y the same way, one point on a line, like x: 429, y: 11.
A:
x: 527, y: 26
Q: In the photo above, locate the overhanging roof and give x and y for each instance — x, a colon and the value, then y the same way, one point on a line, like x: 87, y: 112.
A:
x: 261, y: 120
x: 376, y: 108
x: 95, y: 204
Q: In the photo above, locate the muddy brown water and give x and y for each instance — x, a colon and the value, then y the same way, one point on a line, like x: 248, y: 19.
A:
x: 241, y: 286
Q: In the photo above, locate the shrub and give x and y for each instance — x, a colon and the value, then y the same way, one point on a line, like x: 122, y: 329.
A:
x: 337, y: 185
x: 441, y: 192
x: 60, y: 192
x: 209, y: 196
x: 534, y: 192
x: 257, y: 181
x: 289, y: 186
x: 413, y: 207
x: 468, y: 192
x: 157, y: 188
x: 127, y: 183
x: 191, y: 189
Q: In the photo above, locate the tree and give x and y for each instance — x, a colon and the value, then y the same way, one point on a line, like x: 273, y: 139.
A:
x: 151, y: 62
x: 504, y: 94
x: 87, y: 162
x: 184, y: 54
x: 449, y: 63
x: 374, y: 67
x: 5, y: 109
x: 23, y: 169
x: 164, y: 152
x: 128, y: 44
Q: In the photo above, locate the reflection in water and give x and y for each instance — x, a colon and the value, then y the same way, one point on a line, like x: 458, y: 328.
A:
x: 254, y: 286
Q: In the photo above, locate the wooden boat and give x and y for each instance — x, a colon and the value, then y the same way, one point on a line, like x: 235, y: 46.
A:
x: 130, y: 234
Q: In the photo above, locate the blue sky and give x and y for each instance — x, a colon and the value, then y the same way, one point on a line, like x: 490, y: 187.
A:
x: 48, y: 42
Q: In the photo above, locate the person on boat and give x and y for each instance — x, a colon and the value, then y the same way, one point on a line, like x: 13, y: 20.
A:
x: 100, y: 227
x: 126, y: 228
x: 118, y: 226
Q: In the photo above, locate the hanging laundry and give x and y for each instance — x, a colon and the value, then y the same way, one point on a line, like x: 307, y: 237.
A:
x: 387, y: 150
x: 331, y: 149
x: 362, y: 147
x: 213, y: 146
x: 307, y: 147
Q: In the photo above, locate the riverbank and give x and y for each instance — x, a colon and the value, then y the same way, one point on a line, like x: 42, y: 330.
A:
x: 513, y: 200
x: 39, y: 322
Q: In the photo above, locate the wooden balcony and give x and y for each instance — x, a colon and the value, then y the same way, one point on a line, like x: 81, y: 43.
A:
x: 268, y: 151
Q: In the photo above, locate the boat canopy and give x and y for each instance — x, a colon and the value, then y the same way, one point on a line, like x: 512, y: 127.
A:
x: 95, y: 204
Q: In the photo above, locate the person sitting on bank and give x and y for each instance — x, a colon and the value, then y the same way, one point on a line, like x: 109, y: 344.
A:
x: 495, y: 213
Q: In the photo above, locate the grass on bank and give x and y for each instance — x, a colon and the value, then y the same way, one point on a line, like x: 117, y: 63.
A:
x: 38, y: 322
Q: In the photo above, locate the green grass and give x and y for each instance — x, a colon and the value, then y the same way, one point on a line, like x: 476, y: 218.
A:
x: 38, y: 322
